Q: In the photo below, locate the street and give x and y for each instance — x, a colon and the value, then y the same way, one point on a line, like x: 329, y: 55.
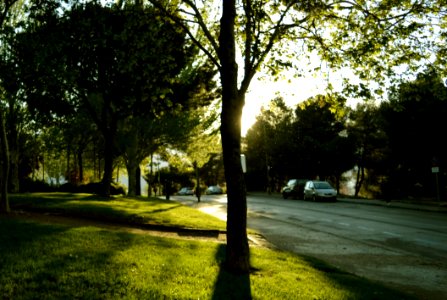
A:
x: 402, y: 248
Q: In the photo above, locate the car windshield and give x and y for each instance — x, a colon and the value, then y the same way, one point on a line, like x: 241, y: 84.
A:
x: 322, y: 185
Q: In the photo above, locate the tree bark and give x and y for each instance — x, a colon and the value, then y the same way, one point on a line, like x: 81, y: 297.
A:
x: 198, y: 191
x: 360, y: 173
x: 150, y: 182
x: 109, y: 156
x: 80, y: 166
x: 4, y: 172
x: 132, y: 163
x: 13, y: 145
x: 138, y: 183
x: 359, y: 181
x: 237, y: 252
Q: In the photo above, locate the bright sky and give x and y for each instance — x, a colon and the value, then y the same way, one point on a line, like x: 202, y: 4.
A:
x: 262, y: 92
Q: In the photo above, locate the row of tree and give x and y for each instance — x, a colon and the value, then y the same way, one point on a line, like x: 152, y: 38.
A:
x: 100, y: 83
x: 390, y: 147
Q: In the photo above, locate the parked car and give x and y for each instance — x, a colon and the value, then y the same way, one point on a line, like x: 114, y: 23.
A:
x: 214, y: 190
x: 294, y: 189
x: 186, y: 191
x: 319, y: 190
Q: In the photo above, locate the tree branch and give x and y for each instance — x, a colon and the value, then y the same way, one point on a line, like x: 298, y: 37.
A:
x: 199, y: 21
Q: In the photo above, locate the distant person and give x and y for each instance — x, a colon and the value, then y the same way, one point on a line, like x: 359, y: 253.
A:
x: 168, y: 189
x: 198, y: 193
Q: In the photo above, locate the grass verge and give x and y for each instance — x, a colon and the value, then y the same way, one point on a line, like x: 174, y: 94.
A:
x: 49, y: 261
x: 130, y: 210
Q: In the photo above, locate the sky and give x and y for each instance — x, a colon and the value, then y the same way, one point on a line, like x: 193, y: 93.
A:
x: 292, y: 90
x: 261, y: 92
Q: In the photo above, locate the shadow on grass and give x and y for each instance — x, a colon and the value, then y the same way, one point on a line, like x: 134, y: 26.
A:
x: 40, y: 261
x: 366, y: 290
x: 86, y: 205
x: 16, y: 234
x: 33, y: 200
x: 228, y: 285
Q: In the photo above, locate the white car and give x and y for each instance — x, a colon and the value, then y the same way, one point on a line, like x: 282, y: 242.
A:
x: 186, y: 191
x: 214, y: 190
x: 319, y: 190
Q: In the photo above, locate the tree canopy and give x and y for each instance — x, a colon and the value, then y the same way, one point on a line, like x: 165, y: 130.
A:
x: 105, y: 66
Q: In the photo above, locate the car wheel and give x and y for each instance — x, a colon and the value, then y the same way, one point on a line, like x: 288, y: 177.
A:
x: 284, y: 195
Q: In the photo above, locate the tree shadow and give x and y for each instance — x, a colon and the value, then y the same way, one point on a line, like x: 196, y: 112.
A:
x: 228, y: 285
x: 31, y: 267
x: 15, y: 234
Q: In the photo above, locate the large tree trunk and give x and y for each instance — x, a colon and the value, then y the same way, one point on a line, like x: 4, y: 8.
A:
x: 80, y: 166
x: 14, y: 183
x: 359, y: 180
x: 132, y: 163
x: 237, y: 252
x: 237, y: 256
x: 131, y: 166
x: 4, y: 164
x: 138, y: 183
x: 360, y: 173
x: 109, y: 156
x: 13, y: 143
x: 198, y: 191
x: 150, y: 181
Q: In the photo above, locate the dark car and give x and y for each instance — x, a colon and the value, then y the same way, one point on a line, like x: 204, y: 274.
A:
x: 294, y: 189
x: 319, y: 190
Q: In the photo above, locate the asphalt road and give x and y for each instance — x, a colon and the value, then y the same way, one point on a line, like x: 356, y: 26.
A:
x: 400, y: 247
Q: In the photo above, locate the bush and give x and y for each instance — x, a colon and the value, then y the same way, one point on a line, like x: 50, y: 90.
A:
x: 37, y: 186
x: 27, y: 185
x: 97, y: 188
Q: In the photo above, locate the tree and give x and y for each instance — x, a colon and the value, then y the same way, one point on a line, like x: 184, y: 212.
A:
x: 95, y: 73
x: 261, y: 30
x: 412, y: 119
x: 269, y: 147
x: 4, y: 164
x: 5, y: 8
x: 324, y: 150
x: 143, y: 135
x: 365, y: 127
x: 201, y: 147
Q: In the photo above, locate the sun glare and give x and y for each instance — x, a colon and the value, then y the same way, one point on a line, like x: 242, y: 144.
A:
x: 262, y: 92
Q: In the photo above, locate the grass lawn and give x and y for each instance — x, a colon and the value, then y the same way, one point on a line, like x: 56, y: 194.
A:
x: 133, y: 210
x: 54, y: 261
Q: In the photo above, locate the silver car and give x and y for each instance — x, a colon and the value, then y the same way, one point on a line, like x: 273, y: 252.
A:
x: 186, y: 191
x: 214, y: 190
x: 319, y: 190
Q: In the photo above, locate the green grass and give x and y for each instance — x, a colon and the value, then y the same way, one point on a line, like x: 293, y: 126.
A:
x: 49, y: 261
x: 133, y: 210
